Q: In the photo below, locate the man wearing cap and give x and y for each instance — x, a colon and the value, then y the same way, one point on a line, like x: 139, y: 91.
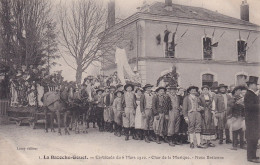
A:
x: 174, y: 116
x: 252, y: 108
x: 129, y: 104
x: 146, y: 102
x: 191, y: 112
x: 223, y: 103
x: 99, y: 106
x: 161, y: 107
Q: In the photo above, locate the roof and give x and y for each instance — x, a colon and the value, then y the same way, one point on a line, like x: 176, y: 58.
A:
x: 197, y: 13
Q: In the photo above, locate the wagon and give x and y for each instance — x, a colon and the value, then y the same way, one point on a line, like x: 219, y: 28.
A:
x: 21, y: 115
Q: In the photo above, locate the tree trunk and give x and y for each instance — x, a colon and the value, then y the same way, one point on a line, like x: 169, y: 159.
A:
x: 78, y: 75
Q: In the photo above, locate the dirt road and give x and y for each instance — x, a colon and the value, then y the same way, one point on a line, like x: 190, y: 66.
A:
x: 21, y: 145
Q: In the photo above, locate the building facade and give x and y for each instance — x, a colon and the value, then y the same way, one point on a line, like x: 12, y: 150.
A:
x: 205, y: 46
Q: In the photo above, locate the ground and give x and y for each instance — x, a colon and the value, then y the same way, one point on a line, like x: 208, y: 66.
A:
x: 39, y: 146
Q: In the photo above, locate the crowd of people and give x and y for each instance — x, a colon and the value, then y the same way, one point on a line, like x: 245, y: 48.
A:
x: 177, y: 116
x: 167, y: 114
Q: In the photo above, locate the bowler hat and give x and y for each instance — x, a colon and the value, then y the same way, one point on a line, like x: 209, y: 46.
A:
x: 129, y: 85
x: 252, y: 80
x: 192, y: 87
x: 147, y: 86
x: 242, y: 87
x: 159, y: 88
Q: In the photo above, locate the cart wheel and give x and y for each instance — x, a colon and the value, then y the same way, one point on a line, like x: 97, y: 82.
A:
x: 18, y: 123
x: 32, y: 124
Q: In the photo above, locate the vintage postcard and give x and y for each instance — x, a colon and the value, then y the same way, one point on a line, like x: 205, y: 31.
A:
x: 118, y: 82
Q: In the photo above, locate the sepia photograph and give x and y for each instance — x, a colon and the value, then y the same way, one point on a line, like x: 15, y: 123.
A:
x: 124, y: 82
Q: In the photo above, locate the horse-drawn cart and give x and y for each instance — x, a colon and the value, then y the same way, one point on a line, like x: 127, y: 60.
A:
x: 21, y: 115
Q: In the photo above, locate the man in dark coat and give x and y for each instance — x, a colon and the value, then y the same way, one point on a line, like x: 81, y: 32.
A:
x: 252, y: 109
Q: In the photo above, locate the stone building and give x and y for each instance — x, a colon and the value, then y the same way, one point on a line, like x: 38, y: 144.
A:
x: 204, y: 45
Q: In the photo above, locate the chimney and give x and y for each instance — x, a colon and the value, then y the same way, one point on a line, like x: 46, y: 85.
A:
x: 244, y: 11
x: 111, y: 17
x: 168, y: 5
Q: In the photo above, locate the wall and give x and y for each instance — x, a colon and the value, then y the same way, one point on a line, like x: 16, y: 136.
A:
x: 191, y: 73
x: 190, y: 45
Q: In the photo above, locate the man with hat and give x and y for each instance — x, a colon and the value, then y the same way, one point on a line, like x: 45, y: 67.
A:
x: 223, y: 103
x: 118, y: 111
x: 252, y: 108
x: 191, y: 112
x: 108, y: 111
x: 161, y: 107
x: 129, y: 104
x: 99, y: 106
x: 174, y: 116
x: 146, y: 102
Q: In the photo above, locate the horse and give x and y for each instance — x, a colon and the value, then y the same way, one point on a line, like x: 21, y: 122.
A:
x: 55, y: 102
x: 79, y: 107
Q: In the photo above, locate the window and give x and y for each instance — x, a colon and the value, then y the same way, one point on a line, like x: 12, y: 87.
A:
x: 170, y: 44
x: 241, y: 49
x: 207, y: 48
x: 207, y: 79
x: 241, y: 79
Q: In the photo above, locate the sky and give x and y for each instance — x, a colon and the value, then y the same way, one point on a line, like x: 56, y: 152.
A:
x: 125, y: 8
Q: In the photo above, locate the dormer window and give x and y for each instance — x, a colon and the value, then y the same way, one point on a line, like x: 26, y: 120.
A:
x: 241, y: 50
x: 207, y: 48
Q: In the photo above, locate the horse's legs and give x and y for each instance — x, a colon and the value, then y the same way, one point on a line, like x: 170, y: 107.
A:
x: 52, y: 121
x: 46, y: 120
x: 72, y: 120
x: 59, y: 121
x: 77, y: 120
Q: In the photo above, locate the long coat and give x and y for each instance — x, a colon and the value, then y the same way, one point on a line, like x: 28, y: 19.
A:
x: 222, y: 113
x: 219, y: 102
x: 252, y: 115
